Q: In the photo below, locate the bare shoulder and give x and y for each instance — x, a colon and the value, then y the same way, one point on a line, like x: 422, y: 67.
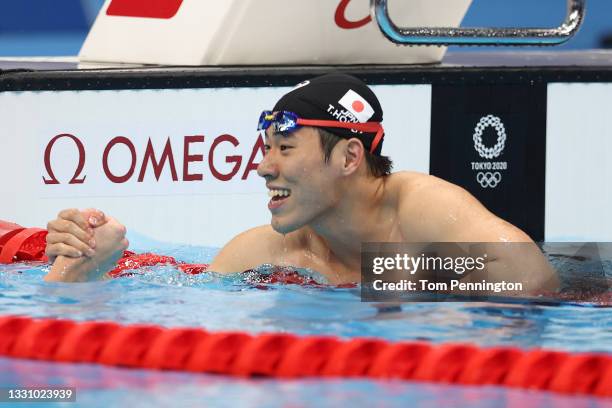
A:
x: 432, y: 209
x: 418, y: 191
x: 248, y: 250
x: 410, y: 181
x: 415, y: 182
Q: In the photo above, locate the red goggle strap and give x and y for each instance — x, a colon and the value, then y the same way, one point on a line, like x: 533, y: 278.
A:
x: 369, y: 127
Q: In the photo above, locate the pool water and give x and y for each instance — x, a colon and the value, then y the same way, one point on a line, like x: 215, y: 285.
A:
x: 104, y: 387
x: 165, y: 296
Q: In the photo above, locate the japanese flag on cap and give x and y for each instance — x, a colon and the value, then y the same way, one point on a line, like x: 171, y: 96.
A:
x: 358, y: 106
x: 334, y: 97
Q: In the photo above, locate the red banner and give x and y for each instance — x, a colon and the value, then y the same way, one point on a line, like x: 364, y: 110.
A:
x: 165, y: 9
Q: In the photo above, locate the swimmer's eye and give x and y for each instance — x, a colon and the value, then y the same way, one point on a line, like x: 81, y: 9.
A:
x: 281, y: 147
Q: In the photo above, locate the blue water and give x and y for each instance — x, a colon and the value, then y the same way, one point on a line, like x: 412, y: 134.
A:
x: 104, y: 387
x: 165, y: 296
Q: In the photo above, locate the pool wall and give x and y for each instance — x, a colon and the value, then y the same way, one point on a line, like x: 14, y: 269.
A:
x: 172, y: 152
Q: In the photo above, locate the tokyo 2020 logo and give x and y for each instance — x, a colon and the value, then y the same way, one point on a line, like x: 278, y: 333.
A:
x: 489, y: 173
x: 495, y: 151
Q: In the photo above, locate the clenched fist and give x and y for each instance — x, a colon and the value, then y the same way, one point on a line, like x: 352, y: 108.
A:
x: 84, y: 245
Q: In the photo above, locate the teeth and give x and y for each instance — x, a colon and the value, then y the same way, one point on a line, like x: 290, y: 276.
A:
x: 281, y: 193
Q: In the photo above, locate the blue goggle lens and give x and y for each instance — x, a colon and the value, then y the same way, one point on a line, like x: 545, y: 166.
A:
x: 283, y: 121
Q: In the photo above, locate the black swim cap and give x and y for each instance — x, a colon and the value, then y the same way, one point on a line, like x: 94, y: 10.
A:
x: 336, y: 97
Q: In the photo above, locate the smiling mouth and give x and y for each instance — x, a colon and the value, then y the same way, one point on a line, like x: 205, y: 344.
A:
x: 279, y: 194
x: 278, y: 197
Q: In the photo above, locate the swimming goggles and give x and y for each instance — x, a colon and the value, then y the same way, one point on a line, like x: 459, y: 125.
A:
x: 285, y: 122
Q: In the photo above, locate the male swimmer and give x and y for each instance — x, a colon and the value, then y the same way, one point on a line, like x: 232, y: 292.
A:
x: 331, y: 190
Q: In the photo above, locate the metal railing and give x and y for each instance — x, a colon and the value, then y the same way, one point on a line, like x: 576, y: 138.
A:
x: 478, y: 36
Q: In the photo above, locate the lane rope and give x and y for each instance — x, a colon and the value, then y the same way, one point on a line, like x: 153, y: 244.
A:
x: 283, y: 355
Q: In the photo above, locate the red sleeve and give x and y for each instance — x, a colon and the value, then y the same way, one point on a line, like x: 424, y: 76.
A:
x: 19, y: 244
x: 133, y: 260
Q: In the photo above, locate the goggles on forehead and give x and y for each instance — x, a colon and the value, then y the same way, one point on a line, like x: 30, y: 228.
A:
x: 286, y: 122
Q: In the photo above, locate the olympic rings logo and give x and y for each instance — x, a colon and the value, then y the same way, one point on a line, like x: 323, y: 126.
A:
x: 495, y: 151
x: 488, y: 179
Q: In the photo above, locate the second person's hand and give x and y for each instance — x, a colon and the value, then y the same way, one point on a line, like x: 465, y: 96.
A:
x: 71, y: 233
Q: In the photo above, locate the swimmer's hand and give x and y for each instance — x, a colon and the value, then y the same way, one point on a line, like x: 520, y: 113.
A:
x: 110, y: 243
x: 71, y: 233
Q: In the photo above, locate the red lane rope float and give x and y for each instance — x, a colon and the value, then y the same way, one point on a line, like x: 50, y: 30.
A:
x: 289, y: 356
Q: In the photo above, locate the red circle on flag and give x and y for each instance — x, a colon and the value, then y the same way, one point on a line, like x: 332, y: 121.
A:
x: 358, y: 106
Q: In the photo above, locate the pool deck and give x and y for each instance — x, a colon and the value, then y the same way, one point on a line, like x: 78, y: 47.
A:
x: 540, y: 66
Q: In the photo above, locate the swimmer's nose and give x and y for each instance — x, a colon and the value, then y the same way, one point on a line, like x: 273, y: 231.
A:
x: 268, y: 168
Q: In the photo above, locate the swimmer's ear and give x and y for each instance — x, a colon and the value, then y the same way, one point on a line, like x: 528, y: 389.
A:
x: 354, y: 154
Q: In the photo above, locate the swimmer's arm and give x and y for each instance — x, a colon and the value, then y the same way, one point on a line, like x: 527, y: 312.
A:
x: 448, y: 213
x: 247, y: 251
x: 511, y: 255
x: 82, y: 269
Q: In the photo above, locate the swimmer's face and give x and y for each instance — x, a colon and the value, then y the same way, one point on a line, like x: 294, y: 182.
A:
x: 301, y: 184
